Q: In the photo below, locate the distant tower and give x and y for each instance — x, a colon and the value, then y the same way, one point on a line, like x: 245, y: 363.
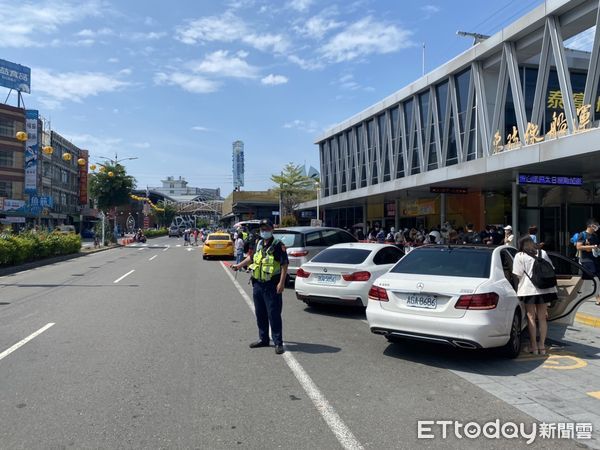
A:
x: 238, y: 165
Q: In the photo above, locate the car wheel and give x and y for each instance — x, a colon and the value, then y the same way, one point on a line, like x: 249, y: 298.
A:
x: 204, y: 257
x: 513, y: 346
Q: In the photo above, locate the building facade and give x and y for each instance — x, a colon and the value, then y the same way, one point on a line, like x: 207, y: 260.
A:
x: 505, y: 133
x: 249, y: 205
x: 238, y: 165
x: 12, y: 163
x: 174, y: 187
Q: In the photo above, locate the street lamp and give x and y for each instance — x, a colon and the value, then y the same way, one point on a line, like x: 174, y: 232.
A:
x: 117, y: 160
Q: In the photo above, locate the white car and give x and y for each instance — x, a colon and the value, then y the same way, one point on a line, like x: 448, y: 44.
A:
x: 464, y: 296
x: 343, y: 273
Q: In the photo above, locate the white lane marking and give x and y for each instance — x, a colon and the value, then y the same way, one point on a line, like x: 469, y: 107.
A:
x: 178, y: 245
x: 341, y: 431
x: 126, y: 275
x: 167, y: 248
x: 152, y: 257
x: 190, y: 249
x: 141, y: 248
x: 21, y: 343
x: 364, y: 321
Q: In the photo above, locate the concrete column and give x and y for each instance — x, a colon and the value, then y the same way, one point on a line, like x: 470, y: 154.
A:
x: 365, y: 217
x: 397, y: 215
x: 515, y: 211
x: 442, y: 209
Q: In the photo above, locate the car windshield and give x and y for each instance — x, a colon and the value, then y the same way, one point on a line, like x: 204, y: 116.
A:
x: 289, y: 239
x: 446, y: 261
x: 218, y: 237
x: 342, y: 256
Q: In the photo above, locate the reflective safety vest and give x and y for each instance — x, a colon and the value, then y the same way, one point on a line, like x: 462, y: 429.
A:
x: 244, y: 235
x: 264, y: 266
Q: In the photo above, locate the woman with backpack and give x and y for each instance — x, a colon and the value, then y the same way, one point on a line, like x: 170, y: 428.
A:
x: 537, y: 288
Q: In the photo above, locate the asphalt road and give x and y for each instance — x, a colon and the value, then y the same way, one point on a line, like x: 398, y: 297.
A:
x: 160, y: 359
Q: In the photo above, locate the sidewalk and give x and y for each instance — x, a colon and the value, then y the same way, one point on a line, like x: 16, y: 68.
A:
x: 589, y: 314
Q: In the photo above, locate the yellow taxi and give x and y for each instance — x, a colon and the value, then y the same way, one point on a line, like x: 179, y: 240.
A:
x: 218, y: 244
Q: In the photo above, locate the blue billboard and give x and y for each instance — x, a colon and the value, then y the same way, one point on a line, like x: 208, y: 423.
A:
x: 31, y: 151
x: 15, y: 76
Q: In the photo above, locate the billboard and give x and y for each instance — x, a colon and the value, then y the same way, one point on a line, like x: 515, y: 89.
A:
x: 83, y: 178
x: 31, y: 151
x: 15, y: 76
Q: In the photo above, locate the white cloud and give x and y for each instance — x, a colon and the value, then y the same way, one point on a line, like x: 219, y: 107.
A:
x: 138, y: 36
x: 308, y: 127
x: 229, y: 28
x: 366, y: 37
x: 141, y: 144
x: 53, y: 88
x: 199, y: 128
x: 27, y: 24
x: 195, y: 84
x: 105, y: 146
x: 273, y: 80
x: 113, y: 60
x: 300, y: 5
x: 348, y: 82
x: 430, y: 9
x: 318, y: 26
x: 305, y: 63
x: 88, y: 33
x: 221, y: 64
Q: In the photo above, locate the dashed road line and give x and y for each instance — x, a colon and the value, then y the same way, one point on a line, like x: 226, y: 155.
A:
x: 126, y: 275
x: 152, y: 257
x: 22, y: 342
x: 341, y: 431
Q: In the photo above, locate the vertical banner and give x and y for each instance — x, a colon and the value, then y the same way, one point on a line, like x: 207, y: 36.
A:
x: 31, y: 151
x: 83, y: 178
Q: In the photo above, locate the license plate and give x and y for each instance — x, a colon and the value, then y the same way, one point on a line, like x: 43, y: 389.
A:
x: 327, y: 279
x: 219, y: 246
x: 421, y: 301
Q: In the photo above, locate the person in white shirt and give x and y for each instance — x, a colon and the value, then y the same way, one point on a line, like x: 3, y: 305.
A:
x: 536, y: 300
x: 509, y: 237
x: 239, y: 248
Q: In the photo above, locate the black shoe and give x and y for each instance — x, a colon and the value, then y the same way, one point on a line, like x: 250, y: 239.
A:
x: 279, y: 349
x: 259, y: 344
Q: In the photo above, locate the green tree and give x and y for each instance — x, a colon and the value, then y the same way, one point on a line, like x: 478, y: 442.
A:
x: 165, y: 217
x: 294, y: 187
x: 111, y: 191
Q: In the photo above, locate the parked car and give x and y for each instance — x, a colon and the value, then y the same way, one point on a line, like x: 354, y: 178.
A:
x: 218, y: 244
x: 344, y: 273
x: 175, y: 231
x: 303, y: 243
x: 465, y: 296
x: 88, y: 234
x: 65, y: 229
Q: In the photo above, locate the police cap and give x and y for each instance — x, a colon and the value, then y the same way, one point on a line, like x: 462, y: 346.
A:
x: 266, y: 223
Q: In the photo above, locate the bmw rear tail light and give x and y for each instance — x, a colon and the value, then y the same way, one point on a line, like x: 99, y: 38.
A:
x: 477, y: 301
x: 378, y: 294
x: 298, y: 253
x: 302, y: 273
x: 357, y: 276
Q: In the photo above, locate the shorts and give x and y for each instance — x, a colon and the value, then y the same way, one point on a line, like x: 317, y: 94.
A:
x: 539, y: 299
x: 591, y: 265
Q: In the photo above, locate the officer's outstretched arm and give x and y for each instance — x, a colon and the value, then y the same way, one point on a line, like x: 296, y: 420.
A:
x: 247, y: 260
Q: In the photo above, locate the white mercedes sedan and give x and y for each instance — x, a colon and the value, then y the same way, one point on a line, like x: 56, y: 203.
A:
x: 343, y: 273
x: 464, y: 296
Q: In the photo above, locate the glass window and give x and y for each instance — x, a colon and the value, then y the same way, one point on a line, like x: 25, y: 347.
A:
x: 387, y: 255
x: 332, y: 237
x: 8, y: 127
x: 6, y: 158
x: 313, y: 239
x: 6, y: 189
x: 462, y: 95
x: 444, y: 261
x: 219, y: 237
x: 289, y: 239
x: 342, y: 256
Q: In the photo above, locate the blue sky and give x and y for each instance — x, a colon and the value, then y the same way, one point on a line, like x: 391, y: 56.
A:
x: 175, y: 83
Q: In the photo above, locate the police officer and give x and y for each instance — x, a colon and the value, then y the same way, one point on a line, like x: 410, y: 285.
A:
x: 269, y: 263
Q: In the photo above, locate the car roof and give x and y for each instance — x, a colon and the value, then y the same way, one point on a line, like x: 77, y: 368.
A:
x: 362, y: 245
x: 305, y: 229
x: 482, y: 247
x: 220, y: 232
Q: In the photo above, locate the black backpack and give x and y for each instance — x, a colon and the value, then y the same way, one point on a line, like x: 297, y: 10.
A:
x: 542, y: 275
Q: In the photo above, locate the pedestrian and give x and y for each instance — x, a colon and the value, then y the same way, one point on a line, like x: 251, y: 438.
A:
x: 269, y: 271
x: 196, y: 232
x: 360, y: 234
x: 239, y: 248
x: 535, y: 299
x: 390, y: 238
x: 588, y: 251
x: 509, y: 237
x: 471, y: 236
x: 533, y: 233
x: 380, y: 235
x: 186, y: 237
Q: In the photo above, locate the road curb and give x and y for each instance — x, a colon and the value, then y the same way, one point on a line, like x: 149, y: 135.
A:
x: 46, y: 262
x: 586, y: 319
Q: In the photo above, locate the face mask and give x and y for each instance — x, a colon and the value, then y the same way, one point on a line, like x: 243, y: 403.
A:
x: 266, y: 234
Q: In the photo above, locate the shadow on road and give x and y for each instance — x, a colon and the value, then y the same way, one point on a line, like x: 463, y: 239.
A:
x: 305, y: 347
x: 21, y: 285
x: 338, y: 311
